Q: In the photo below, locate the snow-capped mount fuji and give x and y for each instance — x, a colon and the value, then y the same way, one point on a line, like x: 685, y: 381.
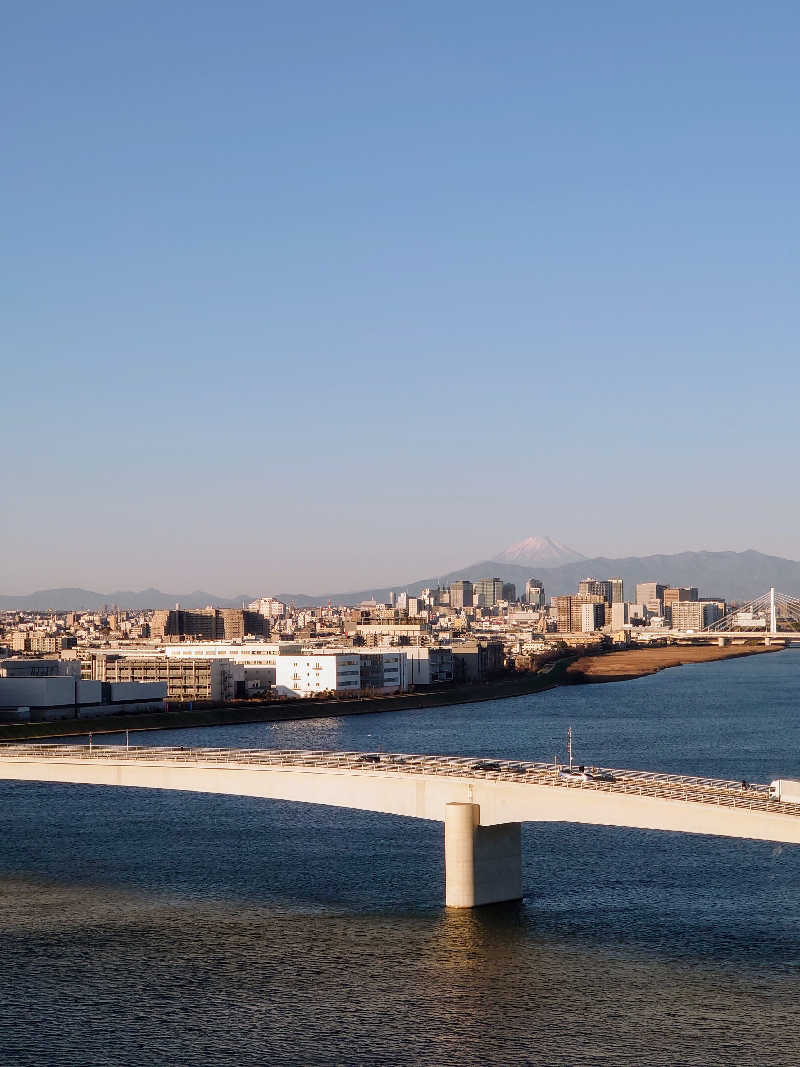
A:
x: 541, y: 551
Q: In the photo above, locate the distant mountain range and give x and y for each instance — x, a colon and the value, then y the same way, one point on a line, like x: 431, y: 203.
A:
x: 733, y: 575
x: 87, y: 600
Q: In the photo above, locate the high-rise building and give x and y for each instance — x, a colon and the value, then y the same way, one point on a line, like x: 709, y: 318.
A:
x: 591, y: 587
x: 534, y: 592
x: 610, y: 589
x: 569, y: 611
x: 651, y: 594
x: 461, y: 594
x: 592, y: 617
x: 673, y: 596
x: 509, y: 592
x: 487, y: 591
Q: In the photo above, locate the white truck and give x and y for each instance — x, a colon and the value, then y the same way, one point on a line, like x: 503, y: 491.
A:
x: 785, y: 789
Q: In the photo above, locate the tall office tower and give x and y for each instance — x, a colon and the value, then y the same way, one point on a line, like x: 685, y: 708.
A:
x: 461, y: 594
x: 651, y: 594
x: 509, y: 592
x: 617, y: 590
x: 606, y: 589
x: 590, y: 587
x: 487, y: 591
x: 534, y: 592
x: 675, y: 595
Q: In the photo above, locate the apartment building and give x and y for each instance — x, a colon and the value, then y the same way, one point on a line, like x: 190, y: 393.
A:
x: 569, y: 611
x: 37, y: 642
x: 211, y: 624
x: 694, y: 614
x: 269, y: 607
x: 674, y: 595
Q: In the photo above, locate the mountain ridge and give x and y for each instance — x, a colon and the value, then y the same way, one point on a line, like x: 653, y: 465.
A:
x: 733, y: 575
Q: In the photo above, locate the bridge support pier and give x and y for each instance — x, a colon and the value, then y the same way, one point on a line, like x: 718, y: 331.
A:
x: 483, y: 864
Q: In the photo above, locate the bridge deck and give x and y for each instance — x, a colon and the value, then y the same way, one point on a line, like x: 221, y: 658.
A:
x: 693, y: 789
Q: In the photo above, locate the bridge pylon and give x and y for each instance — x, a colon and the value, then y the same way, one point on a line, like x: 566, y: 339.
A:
x: 483, y: 864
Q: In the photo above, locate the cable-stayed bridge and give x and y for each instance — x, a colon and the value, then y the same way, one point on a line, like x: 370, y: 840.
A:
x: 772, y: 616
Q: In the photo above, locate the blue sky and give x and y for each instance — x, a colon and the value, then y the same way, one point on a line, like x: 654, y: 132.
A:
x: 311, y: 296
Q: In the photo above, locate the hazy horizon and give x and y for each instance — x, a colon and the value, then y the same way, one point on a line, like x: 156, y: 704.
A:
x: 315, y: 298
x: 396, y: 581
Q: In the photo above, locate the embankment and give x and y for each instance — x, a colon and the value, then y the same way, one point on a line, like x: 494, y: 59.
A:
x: 603, y: 667
x: 289, y: 710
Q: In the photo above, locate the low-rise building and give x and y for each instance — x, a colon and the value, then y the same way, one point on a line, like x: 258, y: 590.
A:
x: 352, y: 671
x: 185, y: 679
x: 428, y: 664
x: 694, y: 614
x: 54, y: 690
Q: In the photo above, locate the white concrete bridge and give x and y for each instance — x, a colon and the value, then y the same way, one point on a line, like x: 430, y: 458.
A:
x: 482, y: 802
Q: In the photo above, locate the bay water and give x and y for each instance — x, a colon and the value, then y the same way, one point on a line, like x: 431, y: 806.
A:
x: 147, y: 927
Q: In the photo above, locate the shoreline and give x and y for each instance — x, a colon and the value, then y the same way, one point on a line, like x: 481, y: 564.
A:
x: 591, y: 669
x: 629, y: 664
x: 290, y: 710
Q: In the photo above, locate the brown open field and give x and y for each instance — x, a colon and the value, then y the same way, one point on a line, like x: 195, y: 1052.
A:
x: 636, y: 662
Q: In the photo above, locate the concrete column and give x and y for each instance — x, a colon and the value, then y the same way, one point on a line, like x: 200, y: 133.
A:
x: 483, y: 864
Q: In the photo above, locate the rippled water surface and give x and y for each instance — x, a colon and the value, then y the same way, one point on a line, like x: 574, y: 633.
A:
x: 147, y: 927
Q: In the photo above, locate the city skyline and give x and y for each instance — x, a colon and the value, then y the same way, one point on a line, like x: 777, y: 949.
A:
x: 740, y: 574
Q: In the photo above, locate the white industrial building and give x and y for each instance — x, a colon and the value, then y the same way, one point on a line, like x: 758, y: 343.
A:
x: 255, y: 660
x: 427, y: 664
x: 42, y: 690
x: 350, y: 671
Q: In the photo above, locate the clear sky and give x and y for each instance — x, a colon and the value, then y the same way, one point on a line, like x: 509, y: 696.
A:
x: 311, y: 296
